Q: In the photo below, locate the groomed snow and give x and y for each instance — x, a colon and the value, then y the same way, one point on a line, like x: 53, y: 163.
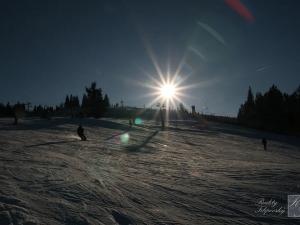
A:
x: 190, y: 173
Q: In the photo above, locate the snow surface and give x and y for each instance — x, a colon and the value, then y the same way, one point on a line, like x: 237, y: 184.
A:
x: 191, y: 173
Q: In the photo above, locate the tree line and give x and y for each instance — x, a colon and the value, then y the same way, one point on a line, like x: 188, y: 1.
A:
x: 273, y: 110
x: 93, y: 104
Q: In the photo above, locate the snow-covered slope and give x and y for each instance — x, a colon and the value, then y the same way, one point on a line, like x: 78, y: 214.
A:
x: 187, y: 174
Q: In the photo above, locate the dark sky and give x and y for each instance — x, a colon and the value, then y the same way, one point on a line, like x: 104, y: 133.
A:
x: 53, y: 48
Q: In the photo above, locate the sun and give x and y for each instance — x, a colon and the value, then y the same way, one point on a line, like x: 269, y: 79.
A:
x: 168, y: 88
x: 168, y: 91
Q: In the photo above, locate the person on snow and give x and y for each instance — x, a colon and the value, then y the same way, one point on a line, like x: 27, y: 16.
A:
x: 264, y: 142
x: 130, y: 122
x: 80, y: 132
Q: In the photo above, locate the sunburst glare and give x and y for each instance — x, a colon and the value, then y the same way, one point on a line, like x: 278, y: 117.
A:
x: 167, y: 91
x: 167, y: 88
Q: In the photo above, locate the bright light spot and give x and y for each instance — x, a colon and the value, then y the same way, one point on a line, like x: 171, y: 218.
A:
x: 138, y: 121
x: 168, y: 91
x: 124, y: 138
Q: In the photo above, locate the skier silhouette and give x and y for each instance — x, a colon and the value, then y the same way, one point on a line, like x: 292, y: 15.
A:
x: 264, y: 142
x: 80, y: 132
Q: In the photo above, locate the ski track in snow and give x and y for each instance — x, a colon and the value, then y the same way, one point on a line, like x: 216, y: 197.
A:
x: 183, y: 175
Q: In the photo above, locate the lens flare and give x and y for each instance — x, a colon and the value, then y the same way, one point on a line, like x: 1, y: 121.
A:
x: 124, y: 138
x: 138, y: 121
x: 241, y: 9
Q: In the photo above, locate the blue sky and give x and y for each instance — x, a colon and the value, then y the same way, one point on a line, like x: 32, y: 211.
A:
x: 53, y: 48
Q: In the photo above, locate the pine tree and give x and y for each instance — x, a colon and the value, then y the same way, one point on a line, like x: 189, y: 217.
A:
x: 106, y: 102
x: 77, y: 104
x: 19, y: 111
x: 246, y: 112
x: 250, y: 98
x: 71, y: 103
x: 94, y: 104
x: 273, y: 110
x: 84, y: 101
x: 67, y: 102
